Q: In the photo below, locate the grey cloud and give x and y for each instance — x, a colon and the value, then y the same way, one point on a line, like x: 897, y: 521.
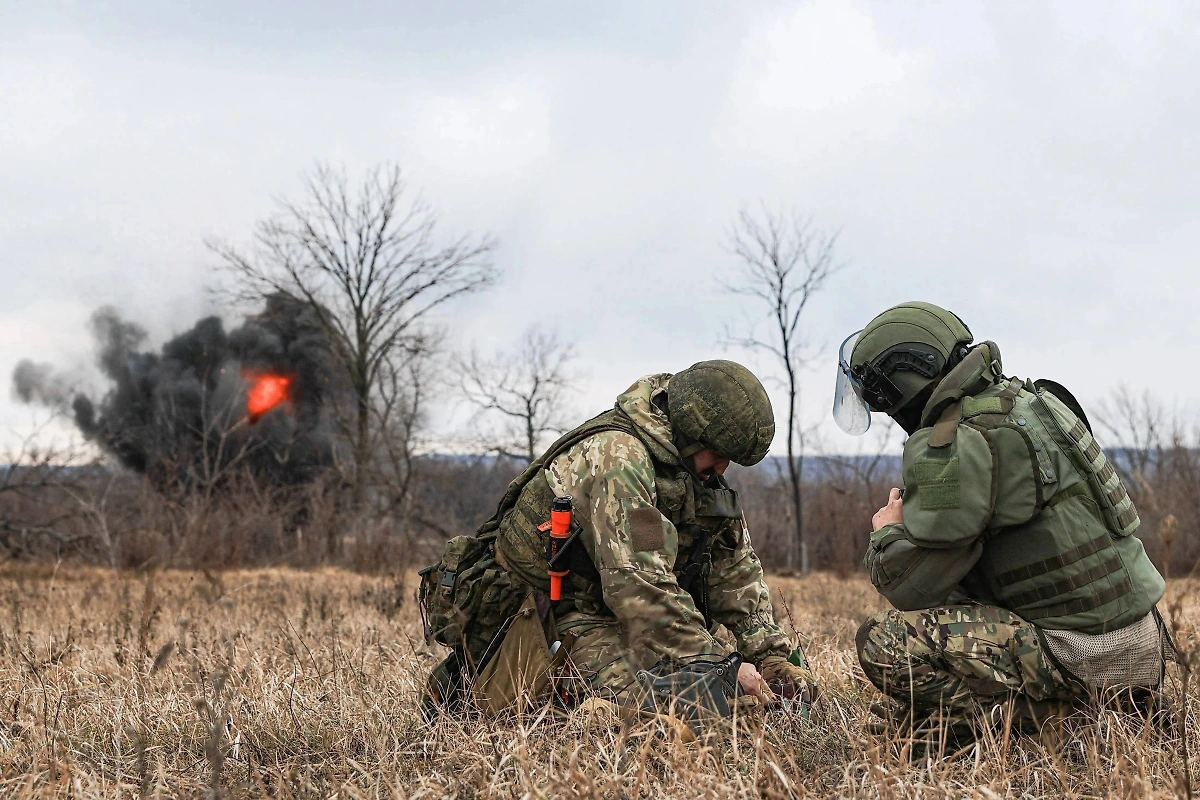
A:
x: 1030, y: 166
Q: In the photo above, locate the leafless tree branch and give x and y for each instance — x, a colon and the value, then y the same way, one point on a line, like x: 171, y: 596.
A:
x: 368, y: 261
x: 786, y: 260
x: 523, y: 394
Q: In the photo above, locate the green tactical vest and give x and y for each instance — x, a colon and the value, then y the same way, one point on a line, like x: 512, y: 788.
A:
x: 704, y: 517
x: 1057, y: 519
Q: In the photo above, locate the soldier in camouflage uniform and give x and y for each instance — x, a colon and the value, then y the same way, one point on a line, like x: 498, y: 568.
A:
x: 1008, y: 555
x: 663, y: 554
x: 641, y: 614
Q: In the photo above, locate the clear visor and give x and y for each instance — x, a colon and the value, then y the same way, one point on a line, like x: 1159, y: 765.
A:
x: 850, y: 411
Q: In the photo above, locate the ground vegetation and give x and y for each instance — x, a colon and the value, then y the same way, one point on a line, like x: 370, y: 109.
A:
x: 284, y: 683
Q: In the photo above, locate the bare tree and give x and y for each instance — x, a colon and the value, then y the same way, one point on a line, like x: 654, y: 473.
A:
x: 1140, y: 427
x: 369, y: 263
x: 864, y: 472
x: 786, y: 260
x: 523, y: 393
x: 406, y: 383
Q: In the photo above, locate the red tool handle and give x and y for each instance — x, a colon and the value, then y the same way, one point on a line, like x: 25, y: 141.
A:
x: 560, y: 531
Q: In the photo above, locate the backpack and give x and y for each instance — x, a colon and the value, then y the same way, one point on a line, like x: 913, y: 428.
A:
x: 466, y: 601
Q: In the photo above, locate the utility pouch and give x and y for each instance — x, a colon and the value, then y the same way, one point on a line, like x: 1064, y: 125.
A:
x: 698, y: 691
x: 519, y: 673
x: 466, y: 599
x: 444, y: 600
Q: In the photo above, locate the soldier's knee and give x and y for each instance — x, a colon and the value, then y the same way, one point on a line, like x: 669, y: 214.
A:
x: 878, y: 646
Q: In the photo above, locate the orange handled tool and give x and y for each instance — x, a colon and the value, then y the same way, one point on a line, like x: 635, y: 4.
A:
x: 560, y: 533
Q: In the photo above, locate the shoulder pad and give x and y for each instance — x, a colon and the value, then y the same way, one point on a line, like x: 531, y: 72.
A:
x: 949, y: 492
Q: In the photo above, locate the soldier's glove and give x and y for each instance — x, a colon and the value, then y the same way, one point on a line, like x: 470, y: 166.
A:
x: 792, y: 682
x: 695, y: 691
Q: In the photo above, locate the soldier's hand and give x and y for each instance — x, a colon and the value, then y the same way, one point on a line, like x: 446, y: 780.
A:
x: 890, y: 514
x: 795, y: 682
x: 752, y: 683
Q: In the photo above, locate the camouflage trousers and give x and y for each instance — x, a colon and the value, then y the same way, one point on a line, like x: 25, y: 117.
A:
x: 599, y: 656
x: 956, y: 658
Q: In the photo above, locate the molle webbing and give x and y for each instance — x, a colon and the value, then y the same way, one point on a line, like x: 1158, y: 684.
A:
x: 1058, y: 588
x: 692, y: 578
x: 1039, y: 568
x: 1074, y: 437
x: 1080, y: 605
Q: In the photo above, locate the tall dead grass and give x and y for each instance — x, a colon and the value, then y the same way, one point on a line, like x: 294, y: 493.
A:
x: 304, y: 684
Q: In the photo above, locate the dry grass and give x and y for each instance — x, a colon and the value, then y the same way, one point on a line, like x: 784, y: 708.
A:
x: 286, y: 683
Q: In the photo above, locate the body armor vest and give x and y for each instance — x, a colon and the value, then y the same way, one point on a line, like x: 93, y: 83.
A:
x: 1058, y: 549
x: 701, y: 514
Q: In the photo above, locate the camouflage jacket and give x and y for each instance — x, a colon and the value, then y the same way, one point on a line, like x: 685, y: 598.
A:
x: 638, y: 552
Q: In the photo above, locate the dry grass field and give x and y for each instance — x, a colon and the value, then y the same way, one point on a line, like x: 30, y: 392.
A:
x: 304, y: 684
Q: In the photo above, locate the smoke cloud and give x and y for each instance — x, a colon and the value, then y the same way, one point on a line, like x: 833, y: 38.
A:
x: 179, y: 415
x: 41, y: 384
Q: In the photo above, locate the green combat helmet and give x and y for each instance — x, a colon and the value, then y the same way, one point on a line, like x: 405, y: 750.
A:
x: 893, y: 361
x: 721, y: 405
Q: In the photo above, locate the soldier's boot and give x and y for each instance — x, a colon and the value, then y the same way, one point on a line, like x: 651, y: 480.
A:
x: 444, y: 690
x: 933, y: 734
x: 1152, y: 706
x: 1155, y: 707
x: 890, y: 720
x: 1045, y: 720
x: 943, y: 735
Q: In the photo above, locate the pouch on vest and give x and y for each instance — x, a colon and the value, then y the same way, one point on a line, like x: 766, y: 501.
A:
x: 466, y: 599
x: 519, y: 673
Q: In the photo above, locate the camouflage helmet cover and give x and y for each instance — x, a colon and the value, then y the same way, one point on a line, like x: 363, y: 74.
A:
x: 909, y: 344
x: 722, y: 405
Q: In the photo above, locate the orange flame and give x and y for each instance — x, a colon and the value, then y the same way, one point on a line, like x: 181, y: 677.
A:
x: 265, y: 393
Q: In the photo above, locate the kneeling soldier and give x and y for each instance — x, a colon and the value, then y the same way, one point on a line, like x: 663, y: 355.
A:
x: 1008, y: 556
x: 660, y: 556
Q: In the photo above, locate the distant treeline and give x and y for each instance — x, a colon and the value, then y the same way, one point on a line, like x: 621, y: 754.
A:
x: 103, y: 515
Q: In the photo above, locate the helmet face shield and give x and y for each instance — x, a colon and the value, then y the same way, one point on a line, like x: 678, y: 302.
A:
x: 850, y: 410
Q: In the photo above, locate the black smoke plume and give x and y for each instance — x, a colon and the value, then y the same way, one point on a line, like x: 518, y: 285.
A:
x: 179, y: 415
x: 40, y: 383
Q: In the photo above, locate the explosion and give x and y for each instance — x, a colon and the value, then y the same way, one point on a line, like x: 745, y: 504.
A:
x: 201, y: 403
x: 266, y: 392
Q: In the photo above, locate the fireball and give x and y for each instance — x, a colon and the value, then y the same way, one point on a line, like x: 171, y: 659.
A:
x: 266, y: 391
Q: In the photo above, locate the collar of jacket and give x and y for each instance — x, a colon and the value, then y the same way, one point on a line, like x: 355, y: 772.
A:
x: 979, y: 369
x: 637, y: 403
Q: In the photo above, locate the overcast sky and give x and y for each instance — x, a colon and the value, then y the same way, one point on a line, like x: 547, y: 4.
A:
x: 1033, y: 166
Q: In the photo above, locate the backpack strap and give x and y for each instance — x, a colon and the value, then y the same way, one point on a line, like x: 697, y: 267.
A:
x: 946, y: 428
x: 611, y: 420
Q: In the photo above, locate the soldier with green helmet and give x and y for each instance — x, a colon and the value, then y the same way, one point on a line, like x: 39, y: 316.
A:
x: 1008, y: 555
x: 662, y: 555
